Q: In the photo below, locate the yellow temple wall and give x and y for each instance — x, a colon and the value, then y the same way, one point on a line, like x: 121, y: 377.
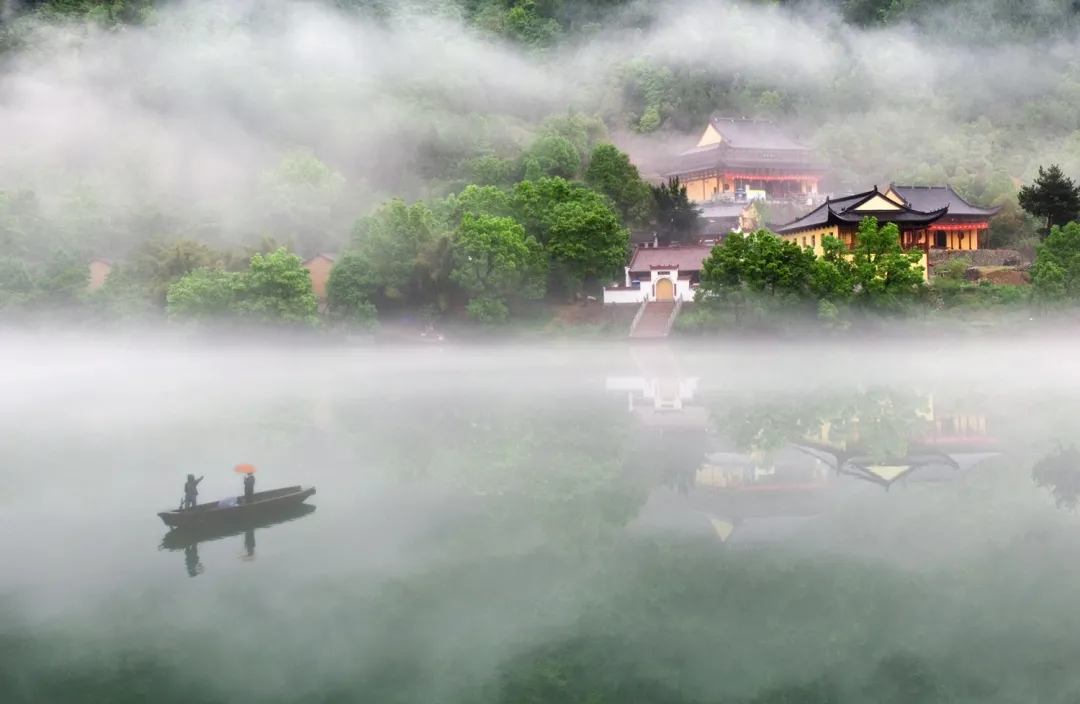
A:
x: 968, y: 241
x: 811, y: 238
x: 702, y: 189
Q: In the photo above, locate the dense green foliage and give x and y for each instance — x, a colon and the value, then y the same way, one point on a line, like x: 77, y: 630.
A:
x: 754, y: 279
x: 331, y: 140
x: 274, y: 289
x: 1053, y: 196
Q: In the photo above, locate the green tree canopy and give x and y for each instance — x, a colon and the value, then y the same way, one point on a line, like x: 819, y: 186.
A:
x: 1054, y: 197
x: 349, y: 288
x: 888, y: 277
x: 1055, y: 274
x: 275, y: 289
x: 577, y: 226
x: 408, y: 248
x: 611, y: 172
x: 677, y: 218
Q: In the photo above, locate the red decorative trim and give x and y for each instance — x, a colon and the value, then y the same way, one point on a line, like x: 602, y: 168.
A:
x: 755, y: 177
x: 959, y: 227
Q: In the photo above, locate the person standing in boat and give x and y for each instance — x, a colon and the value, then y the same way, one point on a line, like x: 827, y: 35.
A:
x: 191, y: 490
x: 249, y: 487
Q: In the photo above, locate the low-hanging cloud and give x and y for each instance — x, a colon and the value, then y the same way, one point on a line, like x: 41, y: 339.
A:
x: 191, y: 109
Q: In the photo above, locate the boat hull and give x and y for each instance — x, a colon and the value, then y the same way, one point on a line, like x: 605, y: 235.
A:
x: 263, y: 505
x: 184, y: 537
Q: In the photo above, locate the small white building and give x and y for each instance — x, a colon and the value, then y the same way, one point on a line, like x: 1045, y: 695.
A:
x: 660, y: 274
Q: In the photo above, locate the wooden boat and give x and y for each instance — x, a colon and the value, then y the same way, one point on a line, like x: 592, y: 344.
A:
x: 262, y: 503
x: 186, y: 536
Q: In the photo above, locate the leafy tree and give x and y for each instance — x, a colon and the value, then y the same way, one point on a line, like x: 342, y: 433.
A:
x: 610, y: 172
x: 551, y: 155
x: 16, y: 286
x: 348, y: 291
x: 476, y: 200
x: 277, y: 289
x: 581, y: 233
x: 1054, y: 196
x: 170, y: 261
x: 587, y: 243
x: 1060, y: 472
x: 524, y: 24
x: 888, y: 277
x: 580, y: 130
x: 1055, y: 274
x: 833, y: 278
x: 490, y: 170
x: 756, y: 273
x: 62, y: 282
x: 677, y: 218
x: 301, y: 198
x: 408, y: 247
x: 203, y: 296
x: 495, y: 260
x: 125, y: 296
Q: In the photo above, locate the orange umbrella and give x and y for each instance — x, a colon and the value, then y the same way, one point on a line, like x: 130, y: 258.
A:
x: 245, y: 468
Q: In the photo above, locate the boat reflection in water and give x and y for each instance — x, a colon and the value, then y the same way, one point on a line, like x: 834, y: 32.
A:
x: 188, y: 539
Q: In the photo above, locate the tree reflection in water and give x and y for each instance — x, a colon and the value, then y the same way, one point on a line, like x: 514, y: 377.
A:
x: 1059, y: 472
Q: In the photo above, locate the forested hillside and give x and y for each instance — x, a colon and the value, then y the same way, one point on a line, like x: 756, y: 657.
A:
x: 136, y: 130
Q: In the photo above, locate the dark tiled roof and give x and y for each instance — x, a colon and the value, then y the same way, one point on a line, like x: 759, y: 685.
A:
x: 723, y: 210
x: 696, y: 159
x: 754, y: 134
x: 715, y: 156
x: 801, y: 166
x: 928, y: 198
x: 718, y: 227
x: 684, y: 258
x: 843, y: 211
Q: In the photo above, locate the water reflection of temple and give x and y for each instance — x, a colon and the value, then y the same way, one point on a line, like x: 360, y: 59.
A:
x: 925, y: 442
x: 746, y: 495
x: 659, y: 394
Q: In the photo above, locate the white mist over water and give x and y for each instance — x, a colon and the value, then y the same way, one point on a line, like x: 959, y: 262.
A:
x: 480, y: 505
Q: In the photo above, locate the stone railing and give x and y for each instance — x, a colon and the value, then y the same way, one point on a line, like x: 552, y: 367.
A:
x: 637, y: 318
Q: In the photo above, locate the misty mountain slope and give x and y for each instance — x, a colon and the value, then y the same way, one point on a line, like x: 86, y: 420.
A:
x: 151, y: 121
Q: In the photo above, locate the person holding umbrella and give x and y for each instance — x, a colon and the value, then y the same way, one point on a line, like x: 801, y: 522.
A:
x: 249, y: 481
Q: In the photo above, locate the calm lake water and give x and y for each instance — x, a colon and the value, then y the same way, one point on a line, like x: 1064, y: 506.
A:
x: 562, y: 524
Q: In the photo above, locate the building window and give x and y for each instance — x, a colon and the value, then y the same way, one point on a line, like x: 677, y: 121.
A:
x: 813, y: 240
x: 941, y: 239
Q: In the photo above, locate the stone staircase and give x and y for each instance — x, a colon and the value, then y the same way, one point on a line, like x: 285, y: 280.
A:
x: 653, y: 321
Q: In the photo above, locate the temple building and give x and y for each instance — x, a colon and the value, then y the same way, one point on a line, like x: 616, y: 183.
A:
x: 964, y: 226
x: 720, y: 219
x: 840, y: 217
x: 660, y: 274
x: 744, y: 159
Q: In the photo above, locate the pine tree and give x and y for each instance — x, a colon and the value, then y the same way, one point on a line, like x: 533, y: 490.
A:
x: 1054, y: 196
